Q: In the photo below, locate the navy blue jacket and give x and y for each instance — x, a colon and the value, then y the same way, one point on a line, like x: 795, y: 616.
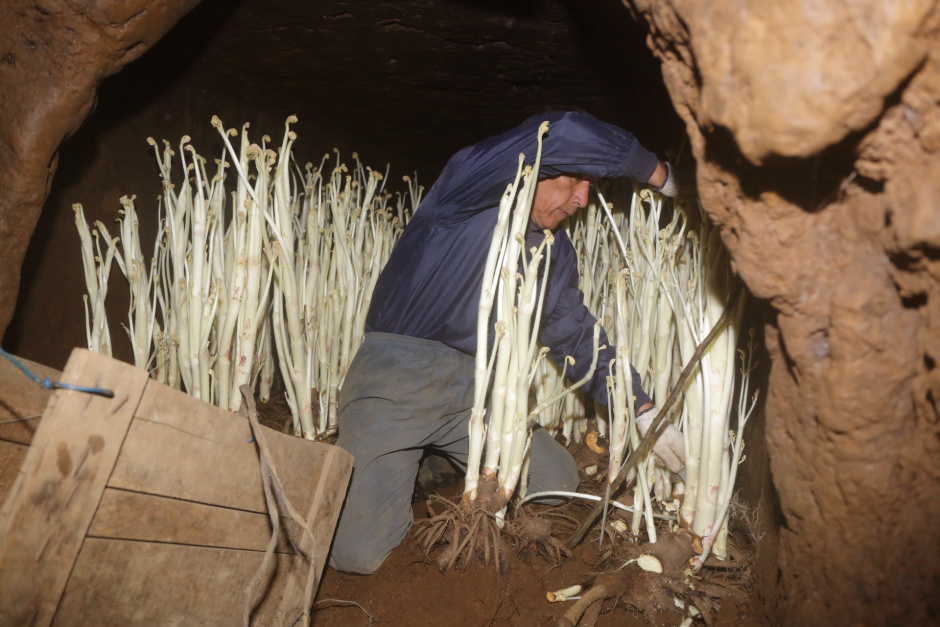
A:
x: 430, y: 287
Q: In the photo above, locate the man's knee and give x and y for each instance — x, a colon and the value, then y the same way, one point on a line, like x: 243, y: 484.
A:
x: 353, y: 559
x: 568, y: 476
x: 364, y: 538
x: 551, y: 466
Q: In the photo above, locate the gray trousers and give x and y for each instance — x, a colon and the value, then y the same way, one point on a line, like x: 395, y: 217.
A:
x: 402, y: 395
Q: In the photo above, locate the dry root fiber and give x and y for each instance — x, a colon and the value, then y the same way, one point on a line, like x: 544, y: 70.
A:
x: 537, y: 534
x: 468, y: 533
x: 662, y: 597
x: 467, y: 530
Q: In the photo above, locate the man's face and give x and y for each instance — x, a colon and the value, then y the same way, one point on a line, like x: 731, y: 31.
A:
x: 557, y: 198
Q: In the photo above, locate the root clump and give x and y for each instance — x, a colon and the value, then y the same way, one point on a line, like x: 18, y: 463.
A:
x: 468, y: 531
x: 537, y: 535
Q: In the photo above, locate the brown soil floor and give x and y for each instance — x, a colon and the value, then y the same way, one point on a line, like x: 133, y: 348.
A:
x: 409, y: 589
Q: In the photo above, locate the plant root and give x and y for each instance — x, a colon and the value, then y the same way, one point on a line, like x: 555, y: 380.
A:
x: 468, y: 532
x: 674, y: 551
x: 650, y: 593
x: 664, y: 598
x: 605, y: 587
x: 535, y: 534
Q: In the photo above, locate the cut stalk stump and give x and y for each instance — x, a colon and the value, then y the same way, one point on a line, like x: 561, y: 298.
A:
x: 149, y: 507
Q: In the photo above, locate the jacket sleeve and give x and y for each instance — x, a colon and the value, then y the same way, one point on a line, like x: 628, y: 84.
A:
x: 568, y: 329
x: 576, y: 143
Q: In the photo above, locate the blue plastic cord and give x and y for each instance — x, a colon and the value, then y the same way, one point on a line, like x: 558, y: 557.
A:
x: 55, y: 385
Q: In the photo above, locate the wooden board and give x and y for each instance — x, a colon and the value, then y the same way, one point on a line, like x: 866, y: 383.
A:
x: 120, y: 582
x: 12, y: 456
x: 22, y: 401
x: 170, y: 454
x: 50, y: 507
x: 323, y: 514
x: 136, y: 516
x: 149, y: 507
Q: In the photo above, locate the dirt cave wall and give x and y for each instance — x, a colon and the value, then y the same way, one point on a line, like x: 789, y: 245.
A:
x: 53, y: 56
x: 815, y: 130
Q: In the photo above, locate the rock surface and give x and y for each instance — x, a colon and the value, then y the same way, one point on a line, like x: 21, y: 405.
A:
x: 53, y: 55
x: 815, y: 133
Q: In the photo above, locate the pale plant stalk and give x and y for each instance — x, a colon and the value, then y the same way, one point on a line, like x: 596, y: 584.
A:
x: 526, y: 331
x: 166, y: 338
x: 236, y: 245
x: 205, y: 306
x: 717, y: 539
x: 198, y: 289
x: 249, y: 320
x: 502, y: 434
x: 623, y: 418
x: 621, y: 382
x: 718, y: 366
x: 483, y: 365
x: 178, y: 249
x: 97, y: 269
x: 141, y: 310
x: 511, y: 285
x: 289, y: 311
x: 669, y: 288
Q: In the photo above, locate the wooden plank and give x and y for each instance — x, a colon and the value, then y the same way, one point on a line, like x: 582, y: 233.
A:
x: 12, y: 456
x: 22, y: 401
x: 21, y: 426
x: 135, y: 516
x: 51, y: 505
x: 334, y: 472
x: 169, y: 453
x: 208, y: 460
x: 120, y: 582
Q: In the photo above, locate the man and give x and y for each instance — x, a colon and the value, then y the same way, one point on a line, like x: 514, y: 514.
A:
x: 410, y: 386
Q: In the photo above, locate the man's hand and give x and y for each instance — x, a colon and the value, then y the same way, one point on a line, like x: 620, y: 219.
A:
x: 670, y: 447
x: 679, y: 182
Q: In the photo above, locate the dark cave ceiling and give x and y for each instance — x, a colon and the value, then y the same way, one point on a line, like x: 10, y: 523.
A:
x: 419, y: 77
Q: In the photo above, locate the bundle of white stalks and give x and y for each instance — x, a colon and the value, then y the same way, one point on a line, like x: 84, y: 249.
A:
x: 667, y: 288
x: 514, y: 282
x: 97, y: 267
x: 566, y: 415
x: 591, y: 235
x: 284, y: 262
